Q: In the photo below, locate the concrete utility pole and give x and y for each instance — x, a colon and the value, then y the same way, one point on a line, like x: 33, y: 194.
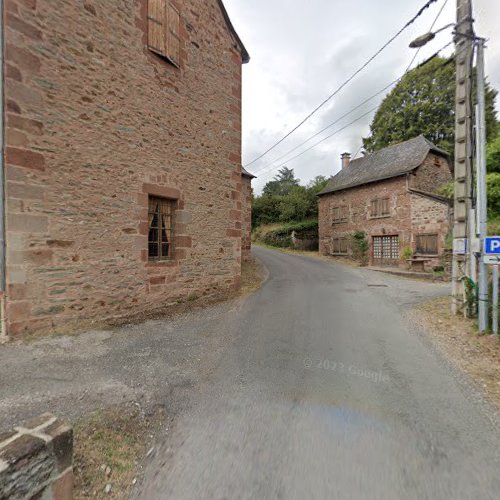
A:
x: 463, y: 152
x: 482, y: 206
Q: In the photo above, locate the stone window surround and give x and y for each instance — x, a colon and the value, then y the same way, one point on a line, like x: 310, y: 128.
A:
x: 168, y: 193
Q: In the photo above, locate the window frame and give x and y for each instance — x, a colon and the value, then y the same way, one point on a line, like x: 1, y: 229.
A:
x: 418, y: 248
x: 378, y: 210
x: 170, y: 231
x: 168, y: 50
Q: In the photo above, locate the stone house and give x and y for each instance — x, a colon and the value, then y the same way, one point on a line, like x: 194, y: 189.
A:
x: 124, y: 191
x: 392, y: 196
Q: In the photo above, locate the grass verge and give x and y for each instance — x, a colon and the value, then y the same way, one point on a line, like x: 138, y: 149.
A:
x: 459, y: 340
x: 110, y: 448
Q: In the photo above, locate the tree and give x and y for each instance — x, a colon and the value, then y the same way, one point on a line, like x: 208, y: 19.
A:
x: 423, y: 102
x: 282, y: 184
x: 493, y: 155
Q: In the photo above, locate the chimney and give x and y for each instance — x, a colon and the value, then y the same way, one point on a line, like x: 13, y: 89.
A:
x: 346, y: 159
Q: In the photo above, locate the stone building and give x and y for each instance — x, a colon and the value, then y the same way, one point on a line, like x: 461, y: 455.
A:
x: 124, y: 190
x: 391, y: 196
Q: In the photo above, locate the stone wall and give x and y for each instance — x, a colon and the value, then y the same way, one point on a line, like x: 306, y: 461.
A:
x: 95, y: 123
x: 429, y: 216
x: 36, y: 460
x: 357, y: 201
x: 246, y: 220
x: 434, y: 172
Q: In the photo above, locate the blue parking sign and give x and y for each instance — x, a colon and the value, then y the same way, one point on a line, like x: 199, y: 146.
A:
x: 492, y: 245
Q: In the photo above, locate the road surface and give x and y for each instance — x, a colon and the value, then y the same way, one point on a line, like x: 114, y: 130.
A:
x: 327, y: 391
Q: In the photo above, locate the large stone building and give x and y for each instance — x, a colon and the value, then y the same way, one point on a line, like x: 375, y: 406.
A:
x: 124, y: 191
x: 391, y: 196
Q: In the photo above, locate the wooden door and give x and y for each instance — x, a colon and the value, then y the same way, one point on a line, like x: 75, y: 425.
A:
x: 386, y: 250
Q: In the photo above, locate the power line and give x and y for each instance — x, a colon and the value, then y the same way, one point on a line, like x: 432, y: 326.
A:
x: 430, y: 29
x: 406, y: 26
x: 330, y: 125
x: 268, y: 171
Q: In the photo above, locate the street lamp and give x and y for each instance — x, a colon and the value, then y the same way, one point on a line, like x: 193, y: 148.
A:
x: 481, y: 205
x: 428, y: 37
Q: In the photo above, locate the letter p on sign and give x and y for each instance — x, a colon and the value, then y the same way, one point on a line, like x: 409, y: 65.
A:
x: 492, y: 245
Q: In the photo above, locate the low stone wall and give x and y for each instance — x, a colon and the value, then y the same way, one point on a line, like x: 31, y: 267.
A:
x: 36, y: 460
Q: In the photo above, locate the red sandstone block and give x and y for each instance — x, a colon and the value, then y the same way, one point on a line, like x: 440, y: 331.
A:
x: 13, y: 73
x: 24, y: 191
x: 183, y: 242
x: 16, y: 291
x: 235, y: 215
x: 23, y: 58
x: 29, y: 4
x: 157, y: 280
x: 25, y: 158
x: 18, y: 310
x: 234, y: 158
x: 62, y: 488
x: 27, y: 223
x: 16, y: 138
x: 26, y: 124
x: 234, y: 233
x: 23, y: 27
x: 161, y: 191
x: 11, y: 6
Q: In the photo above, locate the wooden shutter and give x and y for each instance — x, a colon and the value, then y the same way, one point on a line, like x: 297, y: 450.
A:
x: 172, y: 34
x: 373, y: 208
x: 427, y: 244
x: 157, y: 27
x: 384, y: 209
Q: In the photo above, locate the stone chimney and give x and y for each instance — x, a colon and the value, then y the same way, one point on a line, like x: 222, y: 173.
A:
x: 346, y: 159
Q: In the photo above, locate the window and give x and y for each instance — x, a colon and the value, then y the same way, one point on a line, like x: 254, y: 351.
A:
x: 380, y: 208
x: 160, y: 239
x: 427, y: 244
x: 339, y: 214
x: 340, y: 246
x: 163, y: 30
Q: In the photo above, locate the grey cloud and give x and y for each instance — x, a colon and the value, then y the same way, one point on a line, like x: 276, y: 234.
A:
x: 301, y: 51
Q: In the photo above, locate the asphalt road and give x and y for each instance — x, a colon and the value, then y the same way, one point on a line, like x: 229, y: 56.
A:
x: 327, y: 391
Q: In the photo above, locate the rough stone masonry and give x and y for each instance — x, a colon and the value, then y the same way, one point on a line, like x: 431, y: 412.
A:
x: 36, y: 460
x: 96, y: 123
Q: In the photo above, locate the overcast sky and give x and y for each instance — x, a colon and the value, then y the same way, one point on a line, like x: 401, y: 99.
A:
x: 302, y: 51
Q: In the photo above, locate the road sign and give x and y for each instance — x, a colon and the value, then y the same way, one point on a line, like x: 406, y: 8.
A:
x: 492, y: 259
x: 492, y: 245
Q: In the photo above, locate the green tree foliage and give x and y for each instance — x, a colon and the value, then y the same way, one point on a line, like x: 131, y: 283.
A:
x: 493, y: 154
x: 282, y: 184
x: 423, y: 102
x: 285, y: 200
x: 493, y: 184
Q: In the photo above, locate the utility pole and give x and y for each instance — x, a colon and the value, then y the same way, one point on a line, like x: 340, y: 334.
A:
x: 463, y: 154
x: 482, y: 207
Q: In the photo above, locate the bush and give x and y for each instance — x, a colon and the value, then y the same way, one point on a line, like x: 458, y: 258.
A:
x: 360, y: 246
x: 281, y: 236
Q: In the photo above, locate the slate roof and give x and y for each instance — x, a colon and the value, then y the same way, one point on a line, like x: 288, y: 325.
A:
x: 387, y: 163
x: 247, y: 173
